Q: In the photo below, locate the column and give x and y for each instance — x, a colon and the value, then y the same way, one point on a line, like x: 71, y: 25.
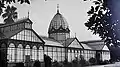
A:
x: 38, y: 54
x: 23, y: 54
x: 15, y: 54
x: 31, y: 54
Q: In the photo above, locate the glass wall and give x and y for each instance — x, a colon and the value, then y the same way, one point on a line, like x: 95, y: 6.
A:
x: 105, y: 55
x: 56, y: 53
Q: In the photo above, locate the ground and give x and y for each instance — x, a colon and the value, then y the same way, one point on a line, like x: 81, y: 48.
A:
x: 117, y: 64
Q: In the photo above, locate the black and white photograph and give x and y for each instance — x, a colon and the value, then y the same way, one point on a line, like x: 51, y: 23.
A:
x: 59, y: 33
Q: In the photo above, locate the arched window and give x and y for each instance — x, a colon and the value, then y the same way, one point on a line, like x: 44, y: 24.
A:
x: 59, y: 54
x: 11, y: 52
x: 20, y: 53
x: 27, y: 50
x: 40, y: 53
x: 54, y: 53
x: 73, y: 56
x: 69, y: 56
x: 34, y: 53
x: 76, y: 55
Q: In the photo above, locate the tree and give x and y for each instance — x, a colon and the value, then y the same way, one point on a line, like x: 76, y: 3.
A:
x: 10, y: 14
x: 3, y: 2
x: 2, y: 6
x: 104, y: 21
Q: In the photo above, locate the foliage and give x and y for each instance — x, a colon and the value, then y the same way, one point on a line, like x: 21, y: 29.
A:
x: 20, y: 64
x: 104, y: 20
x: 57, y: 64
x: 82, y: 61
x: 10, y: 14
x: 92, y: 61
x: 65, y: 61
x: 75, y: 60
x: 3, y: 2
x: 37, y: 63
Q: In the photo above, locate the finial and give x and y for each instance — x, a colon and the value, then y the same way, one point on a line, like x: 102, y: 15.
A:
x: 28, y: 14
x: 75, y: 35
x: 57, y: 8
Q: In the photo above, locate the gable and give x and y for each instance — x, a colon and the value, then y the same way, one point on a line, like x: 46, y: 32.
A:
x: 27, y: 35
x: 105, y: 48
x: 75, y: 44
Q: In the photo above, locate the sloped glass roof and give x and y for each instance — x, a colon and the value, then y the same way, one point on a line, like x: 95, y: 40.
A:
x: 85, y: 46
x: 52, y: 42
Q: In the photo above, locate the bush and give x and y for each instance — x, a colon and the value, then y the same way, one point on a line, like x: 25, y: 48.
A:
x: 101, y: 62
x: 65, y: 61
x: 92, y: 61
x: 82, y: 61
x: 20, y: 64
x: 37, y: 64
x: 106, y: 62
x: 57, y: 64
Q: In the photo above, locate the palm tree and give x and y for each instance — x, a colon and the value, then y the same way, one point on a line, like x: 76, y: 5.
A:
x: 10, y: 14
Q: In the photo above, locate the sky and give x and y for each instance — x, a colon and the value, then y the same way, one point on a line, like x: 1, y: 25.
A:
x: 41, y: 13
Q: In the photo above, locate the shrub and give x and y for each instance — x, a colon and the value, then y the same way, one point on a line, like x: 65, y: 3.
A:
x: 65, y: 61
x: 37, y: 64
x: 106, y: 62
x: 82, y: 61
x: 92, y: 61
x: 20, y: 64
x: 57, y: 64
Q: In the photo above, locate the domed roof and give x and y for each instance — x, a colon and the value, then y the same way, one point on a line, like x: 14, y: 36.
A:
x: 58, y: 21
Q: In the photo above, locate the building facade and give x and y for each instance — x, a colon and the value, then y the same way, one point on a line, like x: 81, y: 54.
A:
x: 20, y: 43
x: 60, y: 46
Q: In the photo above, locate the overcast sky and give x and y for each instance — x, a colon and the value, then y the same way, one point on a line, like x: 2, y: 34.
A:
x: 42, y: 12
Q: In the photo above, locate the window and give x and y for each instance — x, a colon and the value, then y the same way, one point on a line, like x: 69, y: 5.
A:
x: 27, y: 50
x: 45, y: 49
x: 50, y: 52
x: 27, y: 25
x: 34, y: 53
x: 20, y: 53
x: 11, y: 52
x: 40, y: 55
x: 59, y: 52
x: 85, y: 54
x: 76, y: 54
x: 54, y: 53
x: 73, y: 56
x: 63, y: 54
x: 69, y: 56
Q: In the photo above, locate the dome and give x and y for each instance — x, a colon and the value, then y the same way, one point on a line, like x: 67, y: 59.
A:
x: 58, y: 29
x: 57, y: 22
